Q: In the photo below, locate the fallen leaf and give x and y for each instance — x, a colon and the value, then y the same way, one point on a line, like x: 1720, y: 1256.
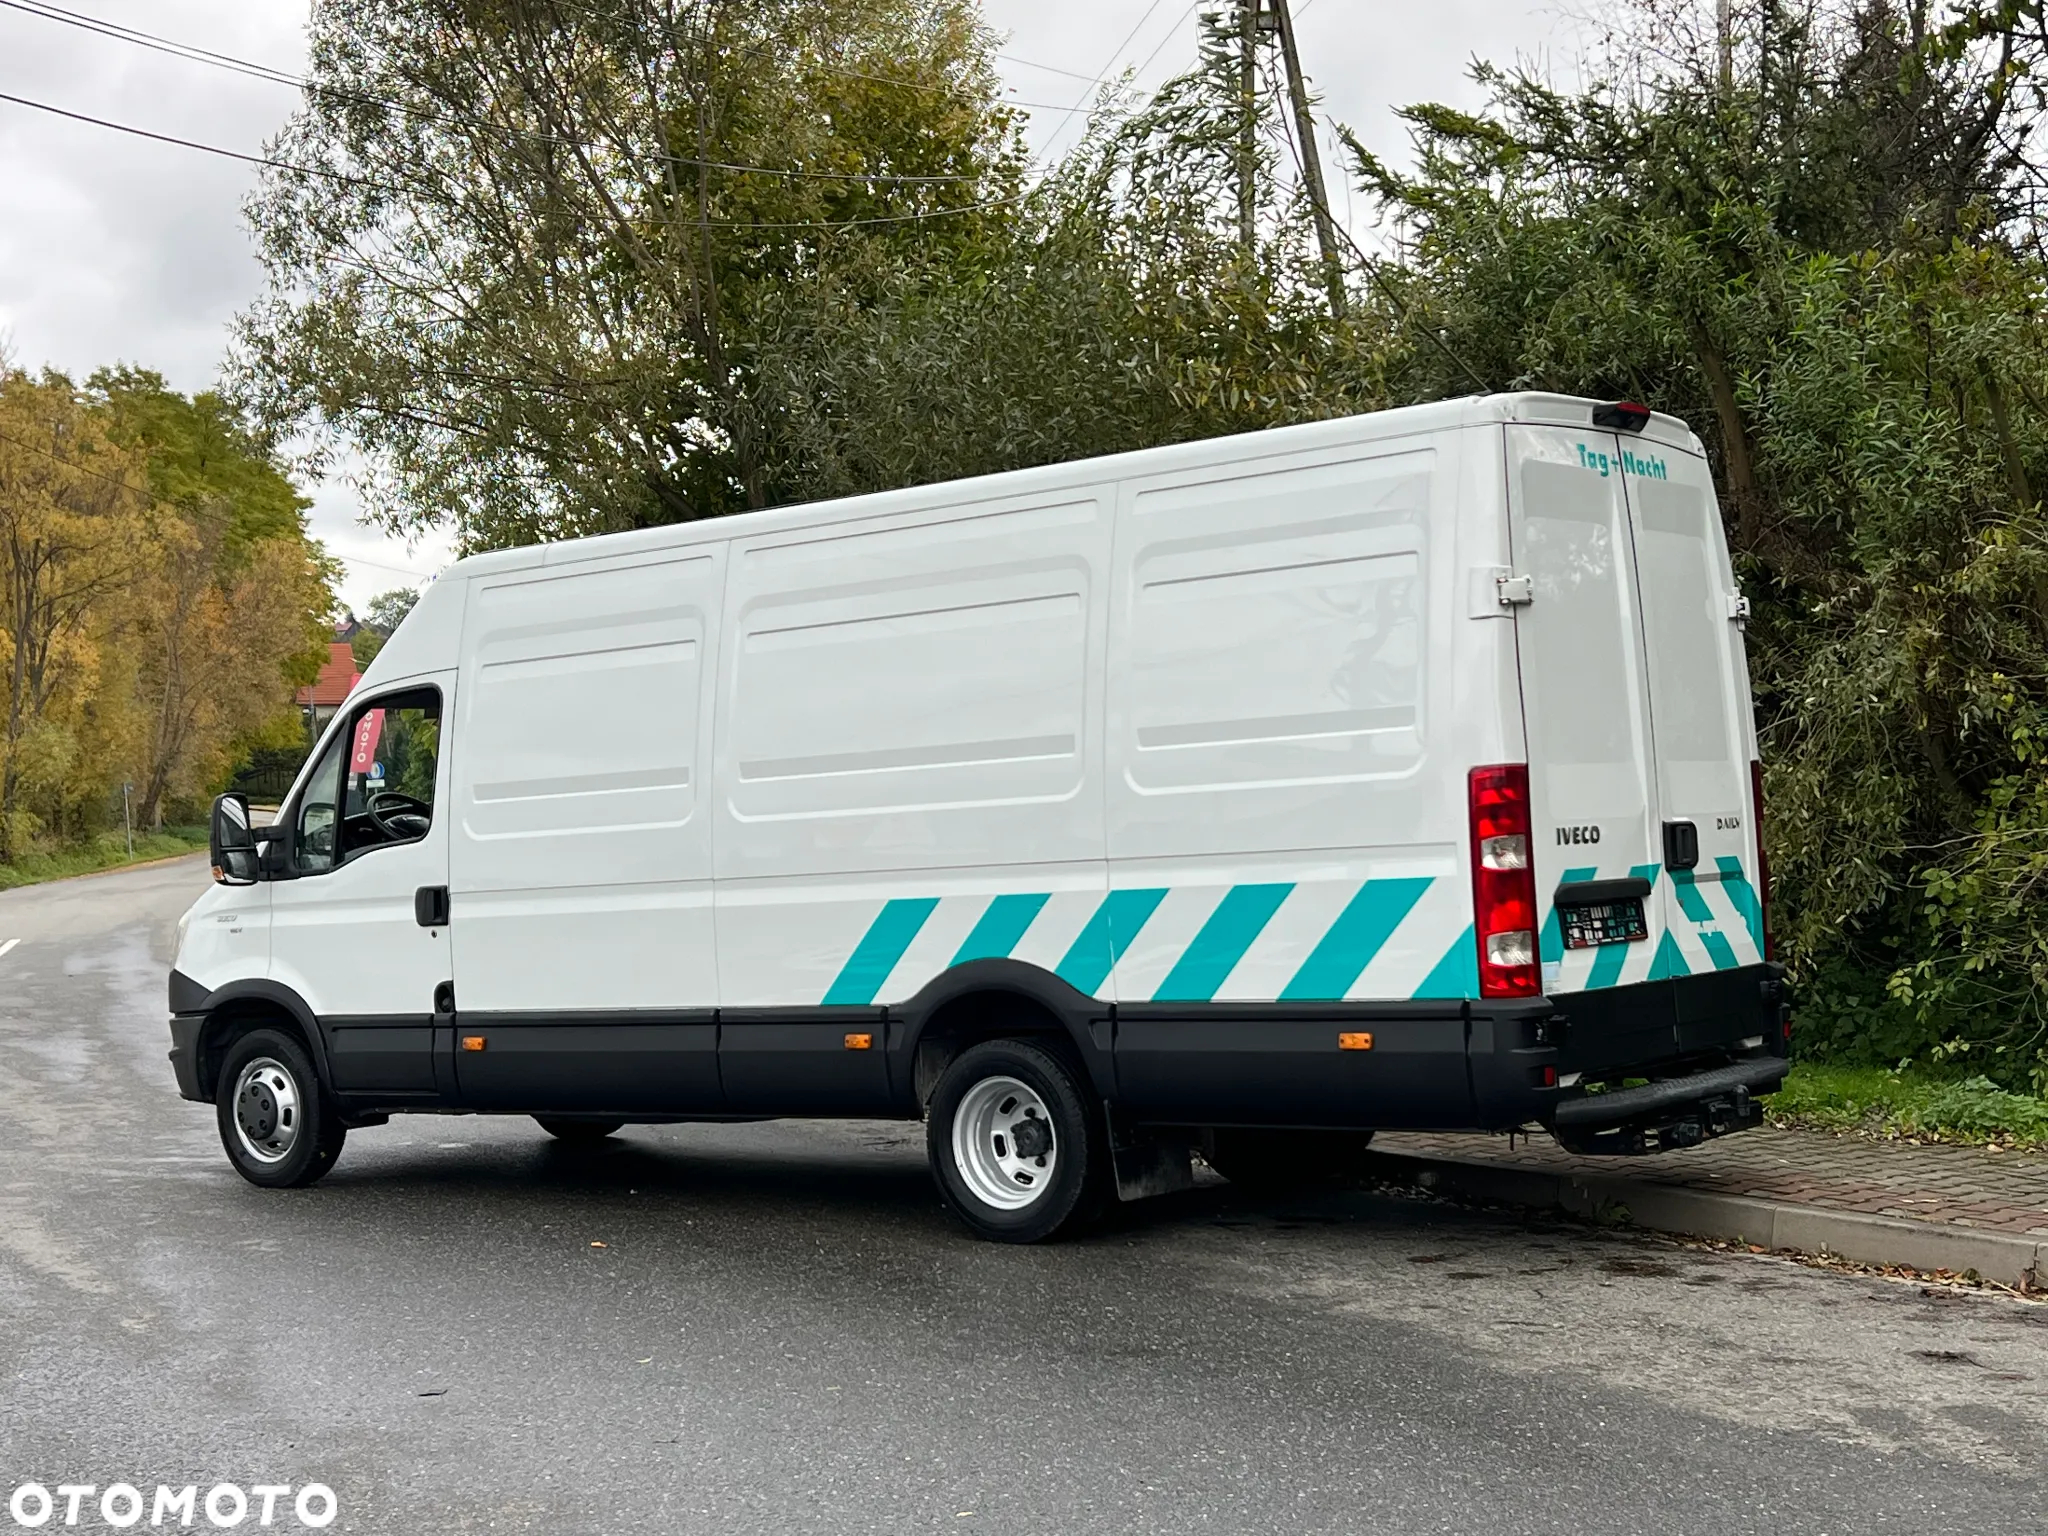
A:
x: 600, y: 1245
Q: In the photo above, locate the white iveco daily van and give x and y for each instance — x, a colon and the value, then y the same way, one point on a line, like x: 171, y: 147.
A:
x: 1244, y: 796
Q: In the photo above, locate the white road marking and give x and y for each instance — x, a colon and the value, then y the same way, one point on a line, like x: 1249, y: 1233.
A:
x: 6, y: 945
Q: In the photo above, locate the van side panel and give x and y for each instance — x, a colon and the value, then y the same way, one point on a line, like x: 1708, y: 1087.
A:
x: 1277, y: 788
x: 580, y: 875
x: 909, y: 766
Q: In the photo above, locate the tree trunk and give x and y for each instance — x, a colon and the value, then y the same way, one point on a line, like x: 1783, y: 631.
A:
x: 1742, y: 486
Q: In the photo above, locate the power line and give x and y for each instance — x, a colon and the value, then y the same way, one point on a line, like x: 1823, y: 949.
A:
x: 1096, y: 83
x: 273, y: 76
x: 207, y: 149
x: 1071, y: 74
x: 377, y: 186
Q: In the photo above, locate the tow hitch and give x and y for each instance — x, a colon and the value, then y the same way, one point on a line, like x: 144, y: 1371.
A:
x: 1662, y: 1117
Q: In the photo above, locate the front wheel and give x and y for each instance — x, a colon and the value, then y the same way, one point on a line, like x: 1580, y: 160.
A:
x: 578, y: 1133
x: 1013, y: 1143
x: 278, y: 1128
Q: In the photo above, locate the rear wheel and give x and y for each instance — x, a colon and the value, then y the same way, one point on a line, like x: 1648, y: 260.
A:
x: 1277, y: 1160
x: 1013, y: 1143
x: 278, y: 1128
x: 581, y: 1133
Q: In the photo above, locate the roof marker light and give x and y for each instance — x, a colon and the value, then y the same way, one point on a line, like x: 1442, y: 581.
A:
x: 1621, y: 416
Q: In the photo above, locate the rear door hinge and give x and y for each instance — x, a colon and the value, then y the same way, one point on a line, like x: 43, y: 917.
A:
x: 1738, y: 606
x: 1515, y: 591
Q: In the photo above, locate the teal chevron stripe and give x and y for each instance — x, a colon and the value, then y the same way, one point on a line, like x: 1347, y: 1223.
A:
x: 1001, y: 924
x: 1690, y: 901
x: 1669, y: 961
x: 1238, y: 919
x: 1693, y: 902
x: 1608, y: 959
x: 1104, y: 938
x: 1347, y: 949
x: 1457, y: 974
x: 1743, y: 895
x: 875, y: 956
x: 1552, y: 941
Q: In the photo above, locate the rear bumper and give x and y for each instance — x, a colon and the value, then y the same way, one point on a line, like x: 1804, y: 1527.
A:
x: 1705, y: 1043
x: 185, y: 1029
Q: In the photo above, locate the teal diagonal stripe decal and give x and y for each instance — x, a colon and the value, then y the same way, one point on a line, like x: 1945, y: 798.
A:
x: 1743, y: 895
x: 1690, y: 901
x: 1553, y: 936
x: 1610, y: 958
x: 1347, y: 949
x: 1669, y: 961
x: 1457, y: 974
x: 1105, y: 936
x: 1693, y: 902
x: 1000, y: 926
x: 875, y: 956
x: 1238, y: 919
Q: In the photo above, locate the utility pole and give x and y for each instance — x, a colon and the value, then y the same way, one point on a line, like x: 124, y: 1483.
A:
x: 1311, y: 161
x: 1248, y: 124
x: 1724, y: 38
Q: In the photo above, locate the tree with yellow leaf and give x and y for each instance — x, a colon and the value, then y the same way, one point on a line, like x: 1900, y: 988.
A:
x: 73, y: 533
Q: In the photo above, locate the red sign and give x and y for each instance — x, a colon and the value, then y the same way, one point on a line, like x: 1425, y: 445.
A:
x: 368, y: 729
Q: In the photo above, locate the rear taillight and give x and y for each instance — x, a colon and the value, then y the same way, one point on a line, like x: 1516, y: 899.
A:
x: 1763, y: 860
x: 1503, y: 882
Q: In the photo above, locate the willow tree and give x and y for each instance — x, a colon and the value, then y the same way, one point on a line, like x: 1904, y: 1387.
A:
x: 1826, y: 261
x: 520, y: 261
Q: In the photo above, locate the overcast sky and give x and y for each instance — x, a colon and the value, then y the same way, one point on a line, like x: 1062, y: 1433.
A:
x: 113, y: 248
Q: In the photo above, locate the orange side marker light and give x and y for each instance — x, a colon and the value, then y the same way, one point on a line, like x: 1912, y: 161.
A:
x: 860, y: 1042
x: 472, y: 1042
x: 1359, y: 1041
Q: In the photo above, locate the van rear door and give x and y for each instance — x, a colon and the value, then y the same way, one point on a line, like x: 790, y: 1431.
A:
x: 1699, y: 706
x: 1586, y: 698
x: 1634, y: 688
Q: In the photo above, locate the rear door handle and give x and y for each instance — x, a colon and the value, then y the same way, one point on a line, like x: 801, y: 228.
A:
x: 1681, y: 845
x: 430, y: 906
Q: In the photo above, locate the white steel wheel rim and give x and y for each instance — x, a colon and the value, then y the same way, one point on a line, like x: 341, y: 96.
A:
x: 1004, y: 1146
x: 268, y: 1114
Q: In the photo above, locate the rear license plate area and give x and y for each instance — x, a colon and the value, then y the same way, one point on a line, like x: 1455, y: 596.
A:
x: 1606, y: 922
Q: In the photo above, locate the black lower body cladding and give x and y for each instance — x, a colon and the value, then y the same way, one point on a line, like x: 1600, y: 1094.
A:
x: 1419, y: 1065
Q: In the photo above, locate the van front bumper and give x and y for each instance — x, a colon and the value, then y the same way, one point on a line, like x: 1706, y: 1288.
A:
x: 185, y: 1029
x: 1701, y: 1046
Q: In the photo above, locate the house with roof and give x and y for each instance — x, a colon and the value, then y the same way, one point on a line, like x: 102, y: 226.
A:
x: 338, y: 677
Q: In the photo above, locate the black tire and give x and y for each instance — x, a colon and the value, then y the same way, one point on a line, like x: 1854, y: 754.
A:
x: 578, y: 1133
x: 1070, y: 1156
x: 1282, y: 1160
x: 275, y: 1121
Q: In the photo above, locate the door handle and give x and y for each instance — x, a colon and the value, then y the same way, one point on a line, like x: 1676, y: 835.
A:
x: 1681, y: 845
x: 430, y: 906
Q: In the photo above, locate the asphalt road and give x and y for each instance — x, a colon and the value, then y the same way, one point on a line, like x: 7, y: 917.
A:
x: 783, y: 1332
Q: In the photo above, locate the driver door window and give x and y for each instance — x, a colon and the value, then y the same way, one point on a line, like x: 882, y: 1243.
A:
x: 375, y: 782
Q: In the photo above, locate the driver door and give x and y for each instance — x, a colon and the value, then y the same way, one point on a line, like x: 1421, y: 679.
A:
x: 365, y: 839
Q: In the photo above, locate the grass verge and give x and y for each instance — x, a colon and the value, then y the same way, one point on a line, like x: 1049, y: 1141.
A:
x: 1909, y: 1105
x: 107, y: 851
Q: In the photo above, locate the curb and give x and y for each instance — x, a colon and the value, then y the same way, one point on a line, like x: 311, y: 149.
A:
x: 1928, y: 1245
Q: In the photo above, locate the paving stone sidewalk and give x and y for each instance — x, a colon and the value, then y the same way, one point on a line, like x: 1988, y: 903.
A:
x: 1964, y: 1187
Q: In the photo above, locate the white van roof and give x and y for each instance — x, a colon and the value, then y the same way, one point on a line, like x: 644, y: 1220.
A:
x: 1471, y: 410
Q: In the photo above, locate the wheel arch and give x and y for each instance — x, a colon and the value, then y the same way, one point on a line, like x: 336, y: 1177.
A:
x: 238, y: 1008
x: 995, y: 1000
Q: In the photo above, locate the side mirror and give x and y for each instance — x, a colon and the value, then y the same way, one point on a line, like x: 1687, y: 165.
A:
x: 232, y: 841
